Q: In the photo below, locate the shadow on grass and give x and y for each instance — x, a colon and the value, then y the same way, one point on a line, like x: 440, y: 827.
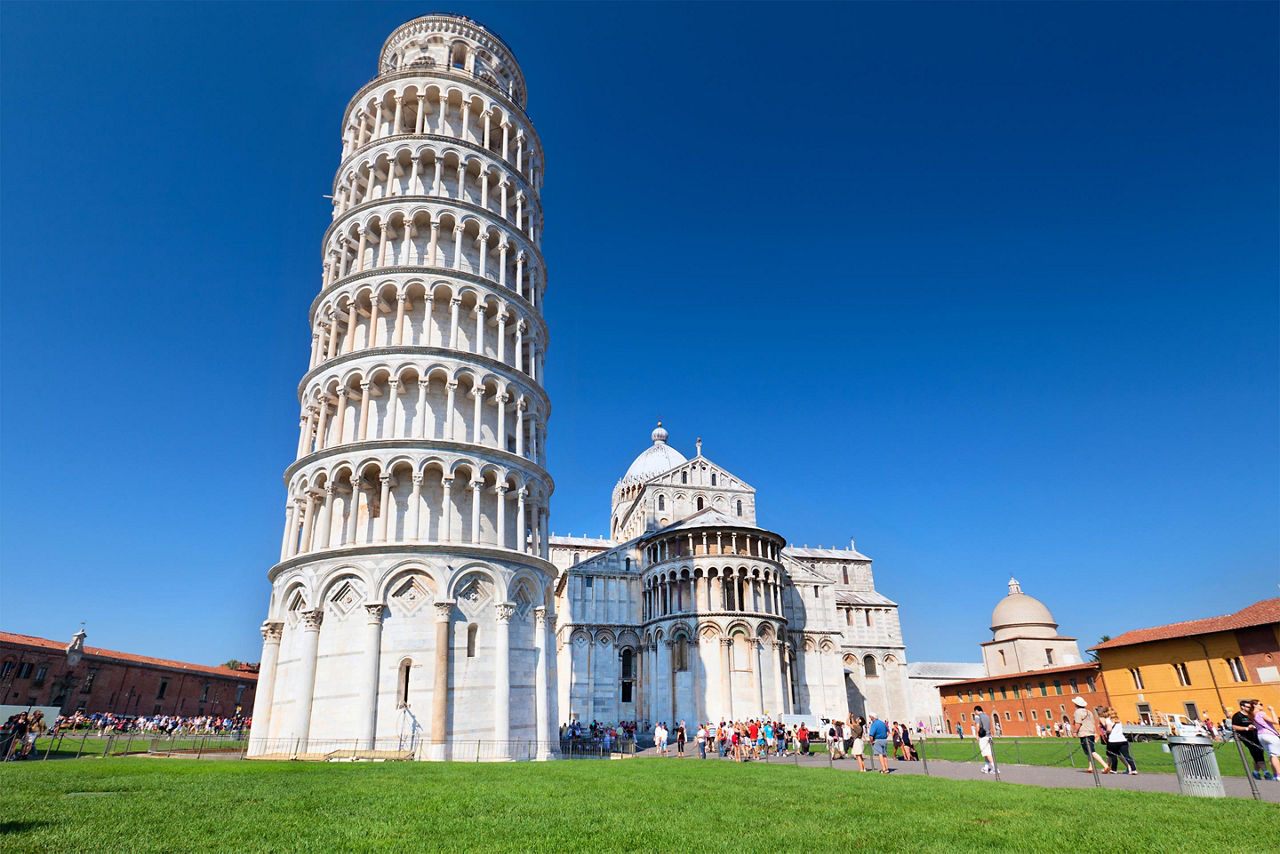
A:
x: 7, y: 827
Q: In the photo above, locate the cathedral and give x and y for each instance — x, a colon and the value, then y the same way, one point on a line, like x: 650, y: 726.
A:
x: 419, y: 605
x: 690, y: 611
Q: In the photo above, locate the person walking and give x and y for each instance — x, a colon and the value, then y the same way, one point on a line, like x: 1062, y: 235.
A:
x: 660, y: 738
x: 1268, y: 737
x: 1117, y: 741
x: 982, y: 731
x: 879, y: 735
x: 1085, y: 727
x: 1246, y: 730
x: 701, y: 738
x: 681, y: 738
x: 857, y: 747
x: 802, y: 740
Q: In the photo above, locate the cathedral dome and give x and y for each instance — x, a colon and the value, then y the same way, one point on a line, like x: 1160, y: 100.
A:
x: 655, y: 459
x: 1020, y: 615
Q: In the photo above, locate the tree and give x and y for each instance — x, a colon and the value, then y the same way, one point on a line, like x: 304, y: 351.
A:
x: 231, y: 665
x: 1093, y: 655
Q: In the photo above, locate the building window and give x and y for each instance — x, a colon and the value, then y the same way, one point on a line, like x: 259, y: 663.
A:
x: 164, y: 686
x: 1193, y: 713
x: 1184, y: 678
x: 699, y: 502
x: 1004, y: 693
x: 869, y: 665
x: 1136, y: 673
x: 472, y: 630
x: 406, y: 667
x: 6, y: 669
x: 1021, y: 717
x: 1048, y: 656
x: 739, y: 508
x: 1033, y: 714
x: 1057, y: 687
x: 88, y: 682
x: 963, y: 717
x: 1006, y: 717
x: 684, y: 477
x: 239, y: 695
x: 713, y: 478
x: 681, y: 657
x: 24, y: 670
x: 991, y: 694
x: 662, y: 503
x: 577, y: 557
x: 1238, y: 673
x: 1075, y: 686
x: 587, y: 582
x: 628, y: 664
x: 870, y: 621
x: 1015, y: 692
x: 1048, y: 714
x: 1144, y: 713
x: 848, y: 616
x: 1091, y: 684
x: 1002, y: 658
x: 844, y: 572
x: 43, y: 670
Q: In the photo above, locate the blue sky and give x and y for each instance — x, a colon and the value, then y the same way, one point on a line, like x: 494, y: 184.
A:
x: 990, y: 288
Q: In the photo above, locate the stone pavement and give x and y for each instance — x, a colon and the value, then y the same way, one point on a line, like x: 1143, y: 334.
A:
x: 1033, y: 775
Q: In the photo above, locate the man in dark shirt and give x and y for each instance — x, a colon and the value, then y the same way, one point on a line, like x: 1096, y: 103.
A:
x: 1247, y: 731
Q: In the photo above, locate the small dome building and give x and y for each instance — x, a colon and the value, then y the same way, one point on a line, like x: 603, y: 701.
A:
x: 1025, y: 636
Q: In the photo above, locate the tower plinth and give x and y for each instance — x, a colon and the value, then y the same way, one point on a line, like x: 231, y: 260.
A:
x: 404, y: 606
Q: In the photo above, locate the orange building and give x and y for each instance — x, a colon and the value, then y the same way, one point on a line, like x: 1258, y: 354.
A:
x: 1023, y: 701
x: 1196, y: 668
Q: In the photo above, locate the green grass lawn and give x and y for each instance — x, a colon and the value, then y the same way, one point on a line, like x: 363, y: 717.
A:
x: 152, y: 804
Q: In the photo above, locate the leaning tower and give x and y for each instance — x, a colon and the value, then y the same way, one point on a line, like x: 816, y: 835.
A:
x: 409, y: 609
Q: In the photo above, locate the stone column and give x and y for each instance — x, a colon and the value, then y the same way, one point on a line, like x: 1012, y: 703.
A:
x: 395, y: 122
x: 500, y: 439
x: 419, y: 121
x: 398, y: 340
x: 290, y: 530
x: 364, y: 411
x: 324, y: 529
x: 522, y: 525
x: 446, y: 517
x: 726, y: 679
x: 453, y: 322
x: 384, y: 510
x: 502, y: 332
x: 457, y: 247
x: 415, y: 507
x: 477, y: 413
x: 782, y: 694
x: 263, y: 699
x: 759, y: 649
x: 546, y: 741
x: 308, y: 514
x: 389, y: 423
x: 306, y: 685
x: 503, y: 613
x: 475, y: 510
x: 369, y: 686
x: 501, y: 491
x: 353, y: 513
x: 420, y: 412
x: 340, y: 417
x: 440, y: 683
x: 450, y: 388
x: 350, y: 344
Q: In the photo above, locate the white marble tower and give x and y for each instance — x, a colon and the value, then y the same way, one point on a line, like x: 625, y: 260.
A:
x: 410, y: 606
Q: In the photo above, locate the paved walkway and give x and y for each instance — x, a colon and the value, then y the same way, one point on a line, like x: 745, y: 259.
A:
x: 1033, y: 775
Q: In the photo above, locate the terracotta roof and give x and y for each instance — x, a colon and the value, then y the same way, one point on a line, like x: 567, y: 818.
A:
x: 1025, y: 674
x: 128, y: 657
x: 1258, y: 614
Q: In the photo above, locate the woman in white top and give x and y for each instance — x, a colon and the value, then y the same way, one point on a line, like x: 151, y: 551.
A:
x: 1117, y: 742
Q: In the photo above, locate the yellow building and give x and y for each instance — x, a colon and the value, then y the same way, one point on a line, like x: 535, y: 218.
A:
x: 1196, y: 668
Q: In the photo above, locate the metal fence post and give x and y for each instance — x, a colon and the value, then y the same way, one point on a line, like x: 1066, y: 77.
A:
x: 106, y: 751
x: 1018, y: 749
x: 200, y: 748
x: 128, y: 743
x: 1248, y: 772
x: 82, y: 740
x: 477, y: 750
x: 1071, y: 753
x: 924, y: 753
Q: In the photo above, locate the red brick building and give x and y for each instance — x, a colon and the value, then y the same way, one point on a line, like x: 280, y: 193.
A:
x: 1023, y: 700
x: 40, y: 672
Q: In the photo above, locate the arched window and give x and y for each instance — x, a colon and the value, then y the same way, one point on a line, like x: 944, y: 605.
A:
x: 739, y: 508
x: 628, y: 675
x: 684, y: 477
x: 869, y: 665
x: 699, y: 502
x: 713, y: 478
x: 471, y: 640
x: 403, y: 693
x: 680, y: 656
x: 662, y: 502
x: 577, y: 556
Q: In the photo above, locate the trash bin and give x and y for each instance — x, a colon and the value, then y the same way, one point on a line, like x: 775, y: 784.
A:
x: 1197, y: 766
